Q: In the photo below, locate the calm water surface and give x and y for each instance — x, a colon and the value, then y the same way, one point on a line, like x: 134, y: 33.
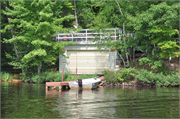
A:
x: 21, y: 100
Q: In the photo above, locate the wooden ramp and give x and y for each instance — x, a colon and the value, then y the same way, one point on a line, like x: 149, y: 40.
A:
x: 57, y: 84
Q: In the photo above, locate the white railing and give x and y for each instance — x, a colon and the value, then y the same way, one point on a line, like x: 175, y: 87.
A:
x: 85, y: 36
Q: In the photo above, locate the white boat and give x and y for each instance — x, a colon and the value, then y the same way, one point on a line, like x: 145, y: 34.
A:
x: 90, y: 83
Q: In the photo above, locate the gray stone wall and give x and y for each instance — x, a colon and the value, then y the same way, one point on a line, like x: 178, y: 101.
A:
x: 62, y: 63
x: 112, y: 57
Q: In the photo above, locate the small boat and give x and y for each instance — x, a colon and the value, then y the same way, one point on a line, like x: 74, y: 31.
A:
x: 90, y: 83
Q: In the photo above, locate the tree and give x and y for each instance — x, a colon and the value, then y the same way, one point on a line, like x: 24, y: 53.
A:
x: 34, y: 24
x: 157, y: 31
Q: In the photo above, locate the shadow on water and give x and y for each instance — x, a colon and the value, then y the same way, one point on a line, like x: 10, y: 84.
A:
x: 20, y: 100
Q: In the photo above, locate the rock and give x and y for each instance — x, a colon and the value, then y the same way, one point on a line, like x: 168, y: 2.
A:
x: 118, y: 84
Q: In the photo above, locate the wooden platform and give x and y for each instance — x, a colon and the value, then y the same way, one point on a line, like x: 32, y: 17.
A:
x: 57, y: 84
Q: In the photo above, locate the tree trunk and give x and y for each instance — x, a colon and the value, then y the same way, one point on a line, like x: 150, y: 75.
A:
x: 39, y: 68
x: 124, y: 43
x: 14, y: 43
x: 133, y: 54
x: 75, y: 14
x: 122, y: 59
x: 169, y: 65
x: 123, y: 32
x: 16, y: 51
x: 130, y: 54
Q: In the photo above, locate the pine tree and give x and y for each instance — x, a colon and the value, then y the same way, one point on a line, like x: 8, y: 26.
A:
x: 34, y: 25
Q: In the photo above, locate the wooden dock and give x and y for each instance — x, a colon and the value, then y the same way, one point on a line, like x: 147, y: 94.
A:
x: 61, y: 85
x: 57, y: 84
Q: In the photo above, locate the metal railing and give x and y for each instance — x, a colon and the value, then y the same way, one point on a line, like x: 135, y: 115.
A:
x: 85, y: 36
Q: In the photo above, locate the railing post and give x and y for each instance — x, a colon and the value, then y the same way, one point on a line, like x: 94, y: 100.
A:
x: 115, y: 35
x: 100, y: 35
x: 86, y: 35
x: 62, y: 74
x: 72, y: 36
x: 76, y: 74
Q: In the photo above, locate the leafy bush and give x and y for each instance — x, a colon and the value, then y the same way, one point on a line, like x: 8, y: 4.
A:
x: 110, y: 76
x: 127, y: 74
x: 85, y: 76
x: 6, y: 76
x: 47, y: 76
x: 57, y: 77
x: 123, y: 75
x: 2, y: 75
x: 16, y: 76
x: 157, y: 79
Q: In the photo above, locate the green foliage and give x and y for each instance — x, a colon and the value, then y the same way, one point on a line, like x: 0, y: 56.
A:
x: 33, y: 31
x: 123, y: 75
x: 16, y: 76
x: 169, y: 49
x: 153, y: 62
x: 57, y: 77
x: 157, y: 79
x: 110, y: 76
x: 127, y: 74
x: 86, y: 76
x: 47, y: 76
x: 34, y: 24
x: 6, y: 76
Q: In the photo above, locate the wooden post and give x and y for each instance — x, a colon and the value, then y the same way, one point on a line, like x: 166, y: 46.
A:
x: 62, y: 74
x: 76, y: 74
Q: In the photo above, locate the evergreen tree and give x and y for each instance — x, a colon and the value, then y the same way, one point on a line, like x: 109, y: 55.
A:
x: 34, y: 25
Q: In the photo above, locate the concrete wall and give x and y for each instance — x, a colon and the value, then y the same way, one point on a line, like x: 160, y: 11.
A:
x: 63, y: 61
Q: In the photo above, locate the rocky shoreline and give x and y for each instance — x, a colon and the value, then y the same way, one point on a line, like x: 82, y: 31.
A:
x: 103, y: 83
x: 131, y: 83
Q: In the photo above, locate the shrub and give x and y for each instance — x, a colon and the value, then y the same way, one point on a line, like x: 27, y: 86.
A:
x: 157, y: 79
x: 6, y: 76
x: 86, y: 76
x: 2, y: 75
x: 71, y: 77
x: 123, y: 75
x: 110, y: 76
x: 48, y: 76
x: 127, y: 74
x: 16, y: 76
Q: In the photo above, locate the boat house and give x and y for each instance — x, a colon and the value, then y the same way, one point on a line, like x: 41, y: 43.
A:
x: 84, y: 56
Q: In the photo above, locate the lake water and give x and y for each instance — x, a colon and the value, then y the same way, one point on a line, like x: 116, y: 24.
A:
x: 22, y: 100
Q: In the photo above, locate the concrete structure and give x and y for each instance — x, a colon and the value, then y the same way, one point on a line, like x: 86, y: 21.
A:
x: 84, y: 56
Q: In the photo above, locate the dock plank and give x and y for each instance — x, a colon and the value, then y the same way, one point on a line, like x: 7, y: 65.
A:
x: 57, y: 84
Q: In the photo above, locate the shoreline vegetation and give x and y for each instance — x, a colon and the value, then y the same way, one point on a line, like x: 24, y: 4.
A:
x: 122, y: 77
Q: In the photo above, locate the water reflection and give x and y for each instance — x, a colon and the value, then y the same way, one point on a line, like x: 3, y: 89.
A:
x: 22, y: 100
x: 121, y: 102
